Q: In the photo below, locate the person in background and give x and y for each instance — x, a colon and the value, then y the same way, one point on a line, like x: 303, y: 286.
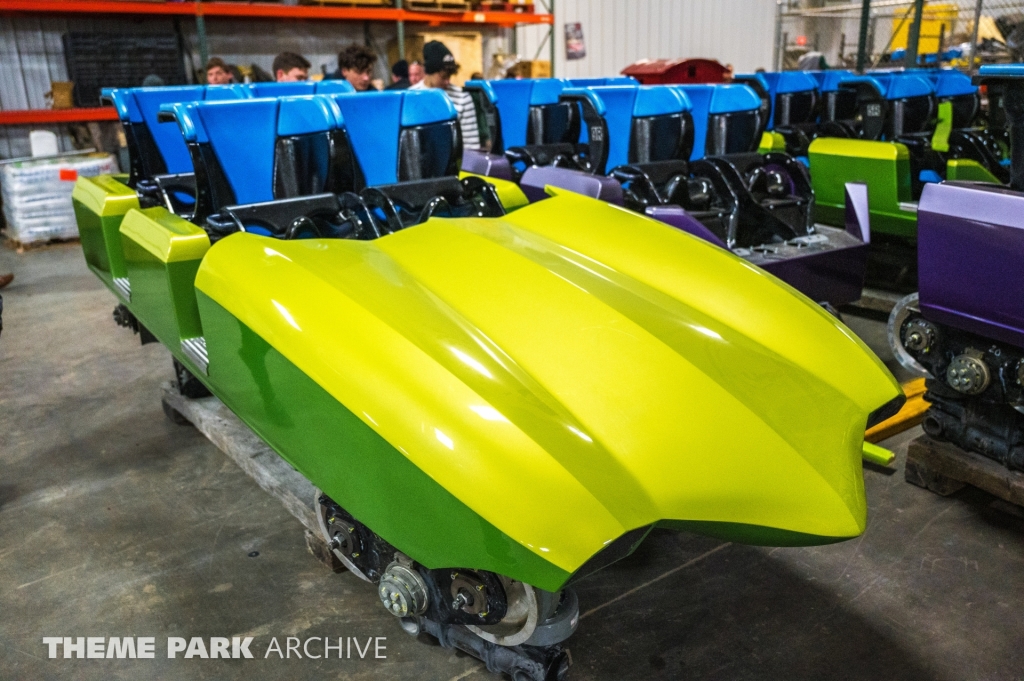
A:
x: 399, y: 76
x: 415, y: 72
x: 236, y: 74
x: 439, y: 66
x: 153, y: 80
x: 355, y: 64
x: 217, y: 72
x: 290, y: 67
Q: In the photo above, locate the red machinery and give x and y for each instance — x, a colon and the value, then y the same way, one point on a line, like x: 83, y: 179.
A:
x: 666, y: 71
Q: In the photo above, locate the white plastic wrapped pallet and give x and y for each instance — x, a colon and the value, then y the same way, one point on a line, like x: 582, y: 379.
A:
x: 37, y: 194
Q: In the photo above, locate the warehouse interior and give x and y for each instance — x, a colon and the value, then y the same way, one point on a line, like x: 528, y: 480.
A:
x: 706, y: 380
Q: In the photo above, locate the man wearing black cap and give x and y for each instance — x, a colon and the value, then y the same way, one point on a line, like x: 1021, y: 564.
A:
x: 439, y: 66
x: 399, y: 76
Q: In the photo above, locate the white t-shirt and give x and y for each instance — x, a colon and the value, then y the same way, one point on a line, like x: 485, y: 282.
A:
x: 467, y: 113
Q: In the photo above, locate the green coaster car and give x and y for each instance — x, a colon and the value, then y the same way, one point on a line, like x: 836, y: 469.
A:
x: 897, y: 132
x: 495, y: 403
x: 913, y: 128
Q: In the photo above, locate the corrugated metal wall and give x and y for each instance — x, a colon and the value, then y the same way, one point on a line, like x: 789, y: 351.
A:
x: 619, y: 32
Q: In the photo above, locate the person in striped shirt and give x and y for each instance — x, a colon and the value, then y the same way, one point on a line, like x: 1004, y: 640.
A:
x: 439, y: 66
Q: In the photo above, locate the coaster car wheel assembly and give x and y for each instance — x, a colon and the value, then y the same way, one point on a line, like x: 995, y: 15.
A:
x: 513, y: 627
x: 975, y: 385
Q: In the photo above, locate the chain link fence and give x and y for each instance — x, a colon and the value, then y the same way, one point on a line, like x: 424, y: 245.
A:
x: 824, y: 33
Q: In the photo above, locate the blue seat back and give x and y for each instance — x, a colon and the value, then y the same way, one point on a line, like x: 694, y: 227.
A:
x: 791, y: 94
x: 908, y: 101
x: 709, y: 103
x: 893, y: 85
x: 948, y: 82
x: 597, y: 82
x: 334, y: 86
x: 513, y: 103
x: 375, y: 122
x: 620, y: 105
x: 828, y: 81
x: 243, y: 135
x: 514, y: 100
x: 954, y: 86
x: 292, y: 89
x: 308, y: 87
x: 140, y: 107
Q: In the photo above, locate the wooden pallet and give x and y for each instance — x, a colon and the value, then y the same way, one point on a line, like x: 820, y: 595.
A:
x: 351, y: 3
x: 438, y: 5
x: 21, y: 247
x: 944, y: 469
x: 521, y: 8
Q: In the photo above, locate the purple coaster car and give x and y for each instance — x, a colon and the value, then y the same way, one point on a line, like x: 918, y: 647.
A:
x: 965, y: 327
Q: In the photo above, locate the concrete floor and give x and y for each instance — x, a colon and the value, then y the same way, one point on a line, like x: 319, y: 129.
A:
x: 115, y: 522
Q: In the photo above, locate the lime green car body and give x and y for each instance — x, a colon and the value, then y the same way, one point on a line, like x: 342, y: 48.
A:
x: 885, y: 168
x: 515, y: 394
x: 100, y: 205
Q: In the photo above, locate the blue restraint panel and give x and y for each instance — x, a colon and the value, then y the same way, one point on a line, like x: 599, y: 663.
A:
x: 903, y: 84
x: 307, y: 116
x: 781, y: 83
x: 620, y: 104
x: 374, y: 121
x: 124, y: 103
x: 658, y: 100
x: 949, y: 82
x: 708, y: 100
x: 615, y: 104
x: 219, y: 93
x: 733, y: 99
x: 333, y: 87
x: 791, y: 81
x: 596, y: 82
x: 282, y: 89
x: 514, y: 109
x: 893, y: 85
x: 487, y: 87
x: 546, y: 91
x: 168, y: 140
x: 141, y: 105
x: 243, y: 133
x: 700, y: 106
x: 423, y: 107
x: 828, y: 81
x: 514, y: 99
x: 308, y: 87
